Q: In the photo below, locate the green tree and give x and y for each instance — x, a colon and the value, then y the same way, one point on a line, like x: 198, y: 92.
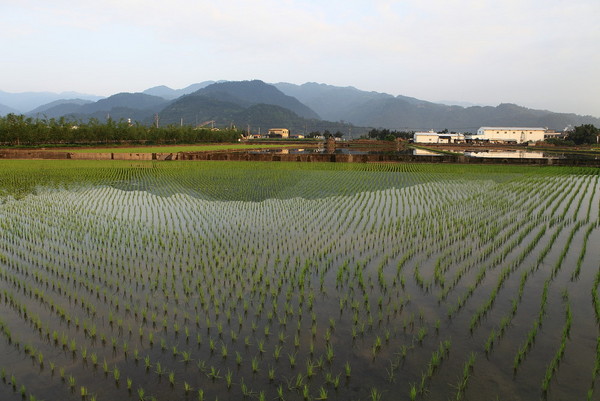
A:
x: 585, y: 133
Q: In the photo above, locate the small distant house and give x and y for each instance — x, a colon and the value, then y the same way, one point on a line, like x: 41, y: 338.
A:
x: 551, y: 134
x: 278, y: 133
x: 435, y: 137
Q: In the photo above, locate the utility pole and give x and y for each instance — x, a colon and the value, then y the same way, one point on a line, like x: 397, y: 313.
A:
x: 156, y: 119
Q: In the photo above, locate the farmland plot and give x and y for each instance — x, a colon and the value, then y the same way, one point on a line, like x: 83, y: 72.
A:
x: 231, y: 281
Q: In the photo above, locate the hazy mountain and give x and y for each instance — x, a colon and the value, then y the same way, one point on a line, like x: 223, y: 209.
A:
x: 405, y: 113
x: 459, y: 103
x: 248, y: 93
x: 299, y: 107
x: 196, y: 109
x: 330, y: 102
x: 58, y: 108
x: 399, y: 114
x: 4, y: 110
x: 136, y: 106
x: 144, y: 116
x: 136, y: 101
x: 168, y: 93
x: 27, y: 101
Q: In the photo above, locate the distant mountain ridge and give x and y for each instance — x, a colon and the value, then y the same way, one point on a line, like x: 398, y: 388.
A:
x: 381, y: 110
x: 58, y: 108
x: 170, y: 94
x: 249, y: 93
x: 307, y: 107
x: 4, y: 110
x: 27, y: 101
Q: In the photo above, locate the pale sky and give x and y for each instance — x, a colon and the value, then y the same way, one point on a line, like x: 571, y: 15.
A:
x: 538, y: 54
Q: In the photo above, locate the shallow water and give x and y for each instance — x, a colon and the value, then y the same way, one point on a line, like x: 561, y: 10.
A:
x: 355, y: 274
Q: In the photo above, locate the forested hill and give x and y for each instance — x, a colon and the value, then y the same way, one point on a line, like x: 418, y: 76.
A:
x: 382, y: 110
x: 308, y: 107
x: 248, y: 93
x: 198, y: 109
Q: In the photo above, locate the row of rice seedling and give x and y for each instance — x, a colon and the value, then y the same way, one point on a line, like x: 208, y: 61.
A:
x: 284, y: 281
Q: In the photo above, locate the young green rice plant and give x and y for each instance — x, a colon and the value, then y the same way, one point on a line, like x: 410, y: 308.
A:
x: 347, y: 369
x: 224, y: 351
x: 214, y: 373
x: 277, y: 352
x: 322, y: 394
x: 71, y: 382
x: 412, y: 395
x: 374, y: 394
x: 159, y: 369
x: 255, y: 365
x: 421, y: 334
x: 261, y: 346
x: 186, y: 357
x: 329, y: 353
x: 463, y: 382
x: 280, y: 393
x: 228, y: 379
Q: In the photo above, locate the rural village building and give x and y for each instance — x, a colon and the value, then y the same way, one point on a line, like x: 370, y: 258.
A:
x: 278, y: 133
x: 434, y: 137
x: 508, y: 134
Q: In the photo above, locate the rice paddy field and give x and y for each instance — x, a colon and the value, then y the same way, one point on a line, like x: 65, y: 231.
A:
x: 283, y: 281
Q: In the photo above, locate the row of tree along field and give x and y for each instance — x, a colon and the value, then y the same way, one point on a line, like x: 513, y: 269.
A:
x: 23, y: 131
x: 20, y: 130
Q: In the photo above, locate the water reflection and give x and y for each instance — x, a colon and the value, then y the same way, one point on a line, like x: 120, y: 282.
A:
x: 480, y: 153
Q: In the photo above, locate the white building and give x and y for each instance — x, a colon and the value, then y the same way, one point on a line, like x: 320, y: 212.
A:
x: 434, y: 137
x: 508, y: 134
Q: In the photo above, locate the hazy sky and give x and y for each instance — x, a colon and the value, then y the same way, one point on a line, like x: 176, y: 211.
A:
x: 539, y: 54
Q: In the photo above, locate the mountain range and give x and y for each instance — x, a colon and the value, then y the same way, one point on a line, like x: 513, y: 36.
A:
x: 256, y: 105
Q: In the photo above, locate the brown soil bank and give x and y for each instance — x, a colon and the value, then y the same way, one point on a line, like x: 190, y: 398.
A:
x: 335, y: 158
x: 385, y: 158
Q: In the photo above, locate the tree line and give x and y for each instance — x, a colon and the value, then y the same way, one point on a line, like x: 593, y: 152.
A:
x: 18, y: 130
x: 389, y: 135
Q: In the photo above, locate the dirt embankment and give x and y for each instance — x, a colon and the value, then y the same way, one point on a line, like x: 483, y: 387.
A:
x: 390, y: 157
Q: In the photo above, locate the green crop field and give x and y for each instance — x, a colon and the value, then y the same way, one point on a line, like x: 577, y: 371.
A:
x: 175, y: 149
x: 298, y: 281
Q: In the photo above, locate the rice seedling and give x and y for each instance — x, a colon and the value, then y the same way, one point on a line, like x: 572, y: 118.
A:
x: 308, y: 260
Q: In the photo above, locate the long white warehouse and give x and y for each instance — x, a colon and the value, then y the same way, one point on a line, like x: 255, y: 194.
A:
x: 509, y: 134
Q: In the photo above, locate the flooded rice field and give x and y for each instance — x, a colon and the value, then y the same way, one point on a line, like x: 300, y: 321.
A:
x: 289, y: 281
